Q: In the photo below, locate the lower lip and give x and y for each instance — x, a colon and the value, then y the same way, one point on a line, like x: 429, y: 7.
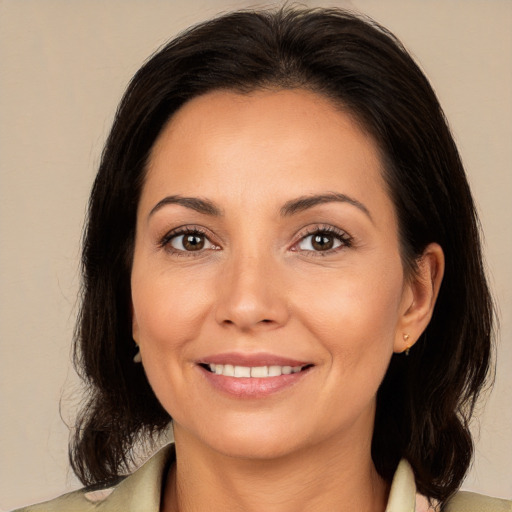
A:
x: 253, y: 387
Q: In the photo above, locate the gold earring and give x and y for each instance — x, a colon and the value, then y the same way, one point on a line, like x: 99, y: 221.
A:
x: 137, y: 358
x: 408, y: 348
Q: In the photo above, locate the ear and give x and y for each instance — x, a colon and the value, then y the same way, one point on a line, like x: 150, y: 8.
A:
x: 419, y: 297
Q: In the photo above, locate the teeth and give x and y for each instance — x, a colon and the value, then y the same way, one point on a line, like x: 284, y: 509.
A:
x: 274, y: 371
x: 229, y: 370
x: 259, y: 371
x: 242, y: 371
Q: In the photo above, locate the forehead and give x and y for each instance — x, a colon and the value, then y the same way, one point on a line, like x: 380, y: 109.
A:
x: 231, y: 146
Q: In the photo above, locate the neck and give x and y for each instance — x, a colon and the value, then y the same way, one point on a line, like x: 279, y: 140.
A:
x: 331, y: 476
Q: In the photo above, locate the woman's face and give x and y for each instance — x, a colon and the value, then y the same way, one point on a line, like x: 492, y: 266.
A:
x: 266, y: 243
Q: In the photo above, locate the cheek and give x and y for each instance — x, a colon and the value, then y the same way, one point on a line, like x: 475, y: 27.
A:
x: 356, y: 324
x: 168, y: 314
x: 167, y: 309
x: 356, y: 318
x: 355, y: 304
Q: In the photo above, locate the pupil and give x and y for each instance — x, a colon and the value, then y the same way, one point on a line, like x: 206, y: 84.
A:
x: 193, y: 242
x: 323, y: 242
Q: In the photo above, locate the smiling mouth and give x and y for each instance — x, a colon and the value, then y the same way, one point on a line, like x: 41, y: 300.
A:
x: 247, y: 372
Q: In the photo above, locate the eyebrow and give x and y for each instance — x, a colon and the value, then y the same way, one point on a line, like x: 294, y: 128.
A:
x: 303, y: 203
x: 291, y: 207
x: 203, y: 206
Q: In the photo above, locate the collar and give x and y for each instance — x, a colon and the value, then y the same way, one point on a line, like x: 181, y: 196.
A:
x: 143, y: 489
x: 402, y: 496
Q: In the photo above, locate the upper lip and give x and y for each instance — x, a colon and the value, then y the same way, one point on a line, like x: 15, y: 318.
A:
x: 261, y: 359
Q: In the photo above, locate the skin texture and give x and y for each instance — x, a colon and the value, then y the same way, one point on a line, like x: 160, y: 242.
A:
x: 259, y: 285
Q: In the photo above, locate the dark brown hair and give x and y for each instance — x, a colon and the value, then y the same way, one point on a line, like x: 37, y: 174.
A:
x: 426, y: 400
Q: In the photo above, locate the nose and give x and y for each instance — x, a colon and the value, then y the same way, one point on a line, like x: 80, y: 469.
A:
x: 251, y: 294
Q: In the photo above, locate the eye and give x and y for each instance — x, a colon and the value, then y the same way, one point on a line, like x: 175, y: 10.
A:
x: 187, y: 240
x: 324, y: 240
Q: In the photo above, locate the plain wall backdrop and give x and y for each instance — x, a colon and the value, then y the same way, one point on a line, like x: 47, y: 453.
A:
x: 63, y: 68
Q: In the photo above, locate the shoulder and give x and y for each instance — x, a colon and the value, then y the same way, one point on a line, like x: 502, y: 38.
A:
x: 403, y: 497
x: 76, y: 501
x: 465, y: 501
x: 139, y: 492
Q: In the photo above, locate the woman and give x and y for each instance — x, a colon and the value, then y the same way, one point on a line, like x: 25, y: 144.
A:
x: 282, y: 255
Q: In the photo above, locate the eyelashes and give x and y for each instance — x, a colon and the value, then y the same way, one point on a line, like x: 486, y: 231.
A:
x: 323, y: 240
x: 319, y: 240
x: 188, y: 239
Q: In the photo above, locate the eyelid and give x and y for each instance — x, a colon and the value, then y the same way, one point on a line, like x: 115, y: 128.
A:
x: 342, y: 235
x: 165, y: 241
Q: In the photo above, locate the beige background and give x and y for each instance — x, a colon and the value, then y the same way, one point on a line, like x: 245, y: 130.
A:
x: 63, y: 67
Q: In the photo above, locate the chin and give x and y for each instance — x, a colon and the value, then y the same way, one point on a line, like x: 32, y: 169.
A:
x: 255, y: 441
x: 255, y: 448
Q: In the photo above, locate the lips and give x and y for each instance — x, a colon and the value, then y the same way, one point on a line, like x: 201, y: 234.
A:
x: 252, y: 375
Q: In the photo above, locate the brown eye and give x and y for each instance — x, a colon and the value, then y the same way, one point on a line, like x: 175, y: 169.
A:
x: 190, y: 242
x: 323, y: 241
x: 193, y: 242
